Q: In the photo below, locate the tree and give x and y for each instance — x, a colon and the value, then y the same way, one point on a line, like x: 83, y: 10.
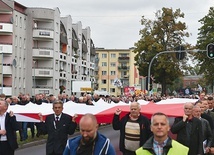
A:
x: 206, y: 36
x: 162, y: 34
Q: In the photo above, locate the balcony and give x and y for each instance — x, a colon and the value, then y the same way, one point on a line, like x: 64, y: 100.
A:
x: 84, y: 63
x: 43, y: 90
x: 74, y: 71
x: 43, y: 72
x: 96, y: 76
x: 7, y: 69
x: 43, y: 34
x: 4, y: 48
x: 73, y: 60
x: 92, y: 65
x: 6, y: 90
x: 123, y: 59
x: 73, y: 77
x: 92, y: 50
x: 125, y: 68
x: 96, y: 68
x: 6, y: 29
x: 84, y: 48
x: 124, y: 76
x: 62, y: 75
x: 43, y: 53
x: 75, y: 44
x: 62, y: 57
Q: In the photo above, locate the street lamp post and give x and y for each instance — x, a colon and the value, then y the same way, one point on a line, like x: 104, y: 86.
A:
x: 150, y: 64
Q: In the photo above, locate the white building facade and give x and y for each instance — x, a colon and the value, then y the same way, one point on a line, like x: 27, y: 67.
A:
x: 41, y: 52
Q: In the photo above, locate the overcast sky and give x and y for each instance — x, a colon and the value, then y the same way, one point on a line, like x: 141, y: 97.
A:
x: 115, y: 24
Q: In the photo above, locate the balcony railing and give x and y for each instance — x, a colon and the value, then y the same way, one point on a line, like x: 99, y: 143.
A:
x: 6, y: 28
x: 43, y: 72
x: 42, y: 33
x: 123, y: 67
x: 43, y: 53
x: 6, y: 48
x: 84, y: 48
x: 123, y: 59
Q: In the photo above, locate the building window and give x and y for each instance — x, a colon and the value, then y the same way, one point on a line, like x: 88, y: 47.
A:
x: 104, y: 64
x: 57, y: 66
x: 104, y: 72
x: 112, y: 81
x: 123, y: 73
x: 16, y: 20
x: 20, y: 42
x: 16, y: 41
x: 104, y: 55
x: 113, y: 72
x: 103, y: 89
x: 24, y: 43
x: 113, y: 55
x: 104, y: 82
x: 24, y: 24
x: 113, y: 64
x: 112, y: 90
x: 20, y: 22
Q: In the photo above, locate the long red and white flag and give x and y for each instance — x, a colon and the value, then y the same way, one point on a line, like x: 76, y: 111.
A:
x: 103, y: 111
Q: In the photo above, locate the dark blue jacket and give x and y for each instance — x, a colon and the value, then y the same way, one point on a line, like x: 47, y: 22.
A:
x: 102, y: 146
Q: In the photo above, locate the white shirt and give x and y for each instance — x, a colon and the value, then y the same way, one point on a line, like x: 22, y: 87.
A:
x: 2, y: 126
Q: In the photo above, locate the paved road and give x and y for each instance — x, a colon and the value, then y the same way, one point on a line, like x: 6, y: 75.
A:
x: 106, y: 130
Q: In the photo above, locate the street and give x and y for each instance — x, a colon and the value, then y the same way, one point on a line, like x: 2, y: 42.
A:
x: 106, y: 130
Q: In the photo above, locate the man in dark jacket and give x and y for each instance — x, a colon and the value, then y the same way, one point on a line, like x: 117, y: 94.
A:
x: 8, y: 128
x: 57, y: 126
x: 134, y: 129
x: 189, y: 131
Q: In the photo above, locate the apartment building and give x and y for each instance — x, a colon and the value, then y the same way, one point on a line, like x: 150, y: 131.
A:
x: 42, y: 52
x: 115, y: 70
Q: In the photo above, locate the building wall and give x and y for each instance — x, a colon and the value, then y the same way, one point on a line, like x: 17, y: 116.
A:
x: 117, y: 64
x: 38, y: 62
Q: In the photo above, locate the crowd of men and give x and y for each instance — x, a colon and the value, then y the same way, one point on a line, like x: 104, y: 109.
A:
x: 138, y: 134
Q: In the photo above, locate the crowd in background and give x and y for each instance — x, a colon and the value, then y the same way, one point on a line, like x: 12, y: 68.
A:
x: 85, y: 98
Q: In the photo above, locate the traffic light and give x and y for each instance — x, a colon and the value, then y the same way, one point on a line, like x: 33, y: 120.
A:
x: 210, y: 51
x: 180, y: 55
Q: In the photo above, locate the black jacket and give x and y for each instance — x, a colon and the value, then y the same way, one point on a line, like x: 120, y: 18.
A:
x: 196, y: 138
x: 144, y: 123
x: 57, y: 136
x: 11, y: 127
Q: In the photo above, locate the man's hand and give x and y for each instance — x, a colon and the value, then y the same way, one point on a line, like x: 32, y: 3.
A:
x: 2, y: 132
x: 11, y: 114
x: 207, y: 149
x: 118, y: 111
x: 185, y: 117
x: 40, y: 117
x: 74, y: 117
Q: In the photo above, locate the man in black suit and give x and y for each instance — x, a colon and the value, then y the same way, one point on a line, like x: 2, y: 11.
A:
x: 57, y: 126
x: 8, y: 128
x: 189, y: 131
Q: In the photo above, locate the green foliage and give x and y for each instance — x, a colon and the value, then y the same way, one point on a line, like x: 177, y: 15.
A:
x: 161, y: 34
x: 206, y: 36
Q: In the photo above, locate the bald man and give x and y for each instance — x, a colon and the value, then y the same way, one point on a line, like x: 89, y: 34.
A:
x: 90, y: 141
